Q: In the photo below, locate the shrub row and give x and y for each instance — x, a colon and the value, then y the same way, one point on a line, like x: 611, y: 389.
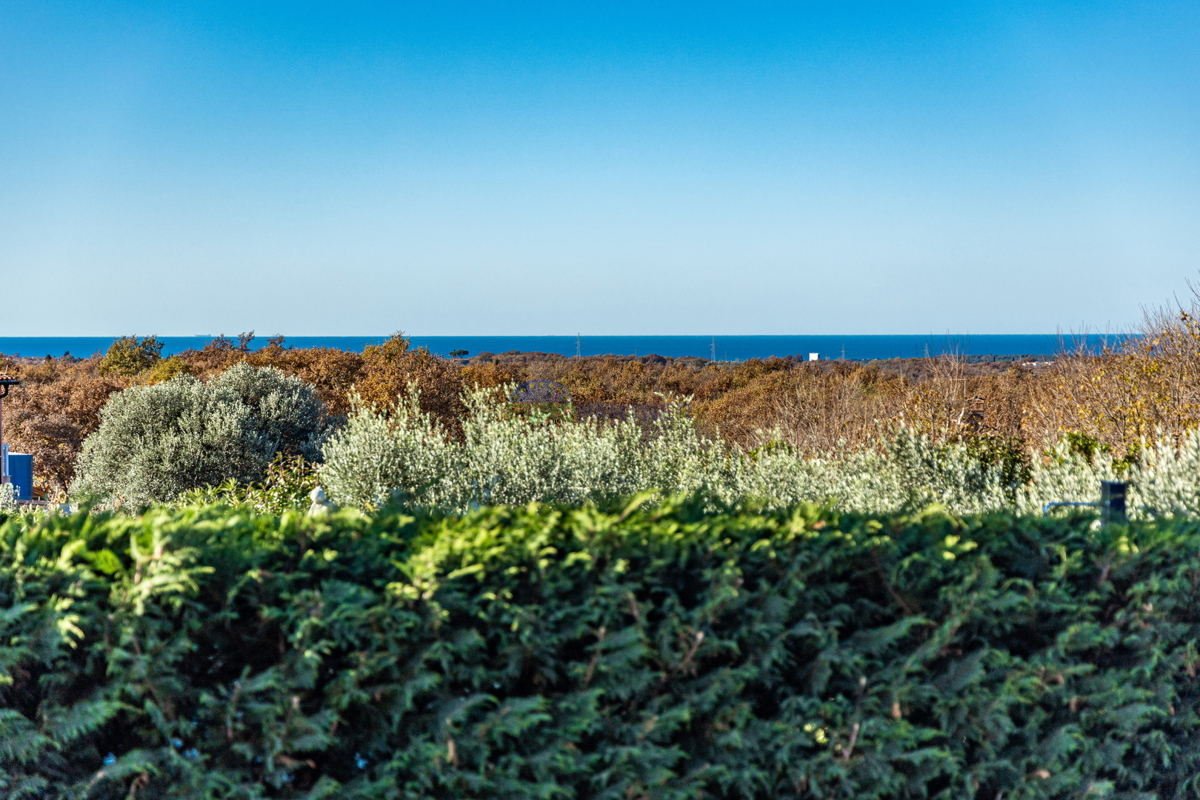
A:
x: 1117, y: 400
x: 160, y: 441
x: 512, y: 458
x: 646, y: 652
x: 505, y: 457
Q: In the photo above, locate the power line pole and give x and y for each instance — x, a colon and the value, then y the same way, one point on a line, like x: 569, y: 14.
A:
x: 578, y: 346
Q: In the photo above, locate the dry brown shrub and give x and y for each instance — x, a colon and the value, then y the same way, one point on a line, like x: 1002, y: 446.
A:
x: 379, y: 375
x: 649, y: 380
x: 816, y: 407
x: 812, y: 408
x: 333, y: 373
x: 388, y: 370
x: 218, y: 355
x: 491, y: 374
x: 608, y: 380
x: 53, y: 410
x: 1128, y: 395
x: 951, y: 399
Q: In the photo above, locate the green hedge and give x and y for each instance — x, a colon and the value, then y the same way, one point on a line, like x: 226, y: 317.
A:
x: 574, y: 653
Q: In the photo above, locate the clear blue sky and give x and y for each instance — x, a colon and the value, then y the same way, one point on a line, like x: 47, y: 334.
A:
x: 467, y: 168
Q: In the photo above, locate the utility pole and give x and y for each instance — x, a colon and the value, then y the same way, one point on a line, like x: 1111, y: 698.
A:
x: 714, y: 349
x: 578, y: 346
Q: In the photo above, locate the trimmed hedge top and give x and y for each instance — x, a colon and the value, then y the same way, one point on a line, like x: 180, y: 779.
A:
x: 645, y: 652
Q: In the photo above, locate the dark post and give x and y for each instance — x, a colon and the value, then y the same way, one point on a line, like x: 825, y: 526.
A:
x: 1112, y: 501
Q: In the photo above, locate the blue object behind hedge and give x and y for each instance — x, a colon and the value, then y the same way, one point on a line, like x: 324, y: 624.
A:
x: 20, y: 470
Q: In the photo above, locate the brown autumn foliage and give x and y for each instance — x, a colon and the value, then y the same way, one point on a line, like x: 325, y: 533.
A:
x: 1131, y: 395
x: 1118, y: 398
x: 55, y: 408
x: 378, y: 375
x: 813, y: 406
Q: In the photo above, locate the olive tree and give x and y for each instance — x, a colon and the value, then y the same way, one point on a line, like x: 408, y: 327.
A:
x: 155, y: 442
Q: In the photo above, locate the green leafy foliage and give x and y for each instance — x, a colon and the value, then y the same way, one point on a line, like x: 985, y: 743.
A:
x: 286, y: 487
x: 1006, y: 454
x: 167, y: 369
x: 128, y: 355
x: 650, y: 651
x: 1083, y: 445
x: 155, y: 442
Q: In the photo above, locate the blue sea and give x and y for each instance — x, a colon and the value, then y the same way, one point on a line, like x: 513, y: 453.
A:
x: 724, y: 348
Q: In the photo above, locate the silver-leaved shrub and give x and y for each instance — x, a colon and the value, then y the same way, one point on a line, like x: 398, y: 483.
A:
x: 519, y: 458
x: 1166, y: 479
x: 8, y: 499
x: 155, y: 442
